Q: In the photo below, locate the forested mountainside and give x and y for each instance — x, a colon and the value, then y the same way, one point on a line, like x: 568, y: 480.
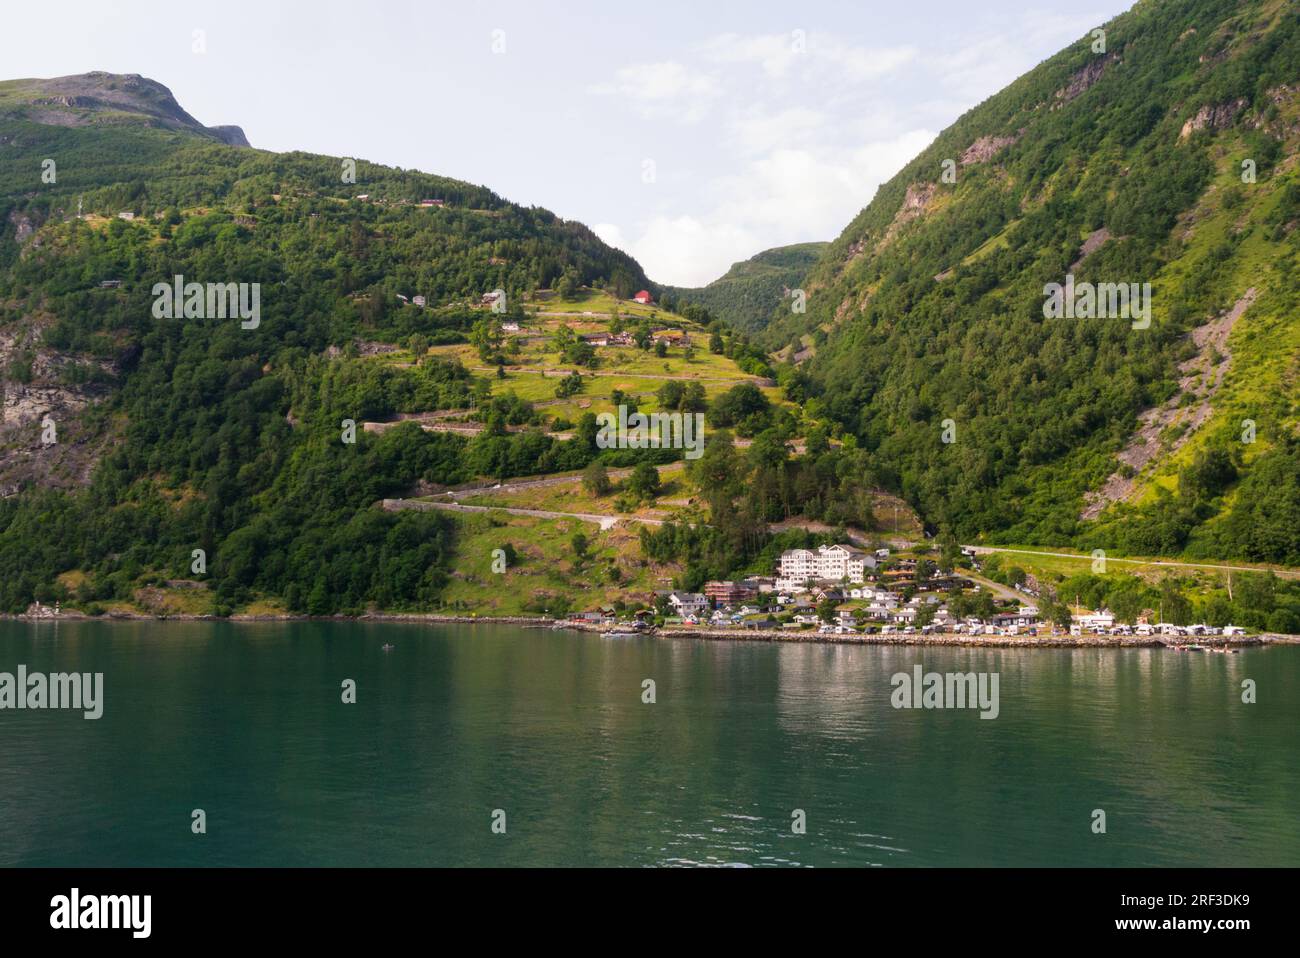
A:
x: 748, y: 295
x: 148, y: 442
x: 130, y: 440
x: 1162, y: 150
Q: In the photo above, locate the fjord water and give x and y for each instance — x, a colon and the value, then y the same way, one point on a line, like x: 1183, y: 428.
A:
x: 246, y: 722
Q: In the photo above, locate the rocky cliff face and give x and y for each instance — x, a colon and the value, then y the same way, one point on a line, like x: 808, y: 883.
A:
x: 233, y: 135
x: 44, y: 396
x: 1216, y: 117
x: 97, y: 97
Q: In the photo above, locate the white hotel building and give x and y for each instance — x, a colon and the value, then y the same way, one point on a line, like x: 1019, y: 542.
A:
x: 836, y: 563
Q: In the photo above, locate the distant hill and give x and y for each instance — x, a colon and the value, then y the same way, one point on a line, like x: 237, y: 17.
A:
x: 748, y: 295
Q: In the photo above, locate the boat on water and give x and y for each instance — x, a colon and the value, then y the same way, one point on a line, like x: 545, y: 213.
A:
x: 621, y: 634
x: 389, y: 647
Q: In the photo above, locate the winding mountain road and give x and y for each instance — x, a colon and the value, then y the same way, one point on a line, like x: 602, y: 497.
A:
x: 1283, y: 573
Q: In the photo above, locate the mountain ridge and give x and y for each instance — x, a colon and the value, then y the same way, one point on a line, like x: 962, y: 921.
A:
x: 100, y: 97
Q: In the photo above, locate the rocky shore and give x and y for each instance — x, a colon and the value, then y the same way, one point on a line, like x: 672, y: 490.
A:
x: 973, y: 641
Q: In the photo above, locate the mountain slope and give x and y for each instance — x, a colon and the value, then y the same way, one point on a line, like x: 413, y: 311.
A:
x: 751, y: 291
x: 100, y: 98
x: 1114, y: 164
x: 131, y: 438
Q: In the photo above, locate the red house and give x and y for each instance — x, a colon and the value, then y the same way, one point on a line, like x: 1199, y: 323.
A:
x: 644, y: 298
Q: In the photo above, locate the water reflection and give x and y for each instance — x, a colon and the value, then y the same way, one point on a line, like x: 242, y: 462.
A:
x: 246, y: 721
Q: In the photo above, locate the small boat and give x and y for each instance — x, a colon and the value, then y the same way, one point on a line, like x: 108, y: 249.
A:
x: 388, y: 647
x: 621, y: 634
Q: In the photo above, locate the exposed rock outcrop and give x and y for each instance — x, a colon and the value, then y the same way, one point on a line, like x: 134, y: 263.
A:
x: 1189, y: 408
x: 232, y: 135
x: 1095, y: 241
x: 915, y: 201
x: 23, y: 227
x: 985, y: 148
x: 42, y: 441
x: 1083, y: 80
x: 1216, y: 117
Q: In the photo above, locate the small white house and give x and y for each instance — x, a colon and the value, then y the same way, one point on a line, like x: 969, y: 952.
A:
x: 688, y: 603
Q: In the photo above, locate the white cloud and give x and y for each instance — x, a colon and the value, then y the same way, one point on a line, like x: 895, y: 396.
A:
x: 775, y: 53
x: 667, y: 88
x: 785, y: 196
x: 754, y: 129
x: 989, y: 60
x: 611, y: 234
x: 686, y: 251
x: 803, y: 129
x: 803, y: 146
x: 779, y: 54
x: 815, y: 193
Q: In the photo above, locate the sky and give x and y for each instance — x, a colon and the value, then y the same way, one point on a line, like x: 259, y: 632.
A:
x: 690, y: 134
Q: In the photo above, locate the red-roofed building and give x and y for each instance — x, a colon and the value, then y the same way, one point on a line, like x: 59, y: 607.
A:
x: 644, y: 297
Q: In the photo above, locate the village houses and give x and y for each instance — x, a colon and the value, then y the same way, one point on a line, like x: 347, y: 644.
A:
x: 833, y: 563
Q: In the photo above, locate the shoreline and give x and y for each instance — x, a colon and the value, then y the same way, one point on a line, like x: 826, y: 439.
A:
x: 955, y: 639
x: 436, y: 617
